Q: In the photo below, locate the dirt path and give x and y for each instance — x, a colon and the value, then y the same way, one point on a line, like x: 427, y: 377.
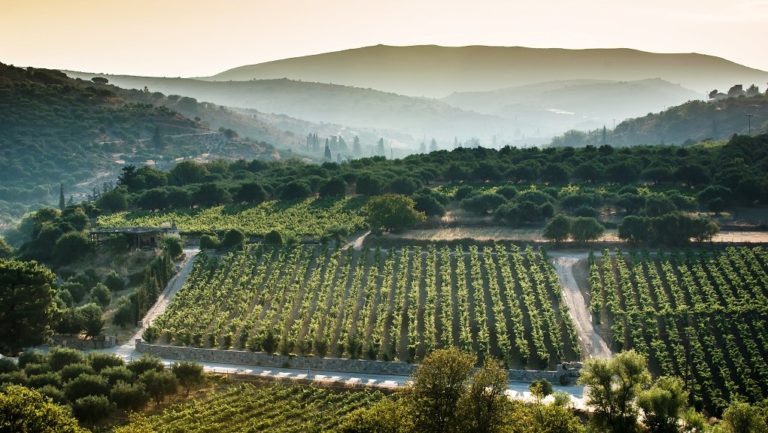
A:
x: 128, y: 348
x: 593, y: 345
x: 357, y: 243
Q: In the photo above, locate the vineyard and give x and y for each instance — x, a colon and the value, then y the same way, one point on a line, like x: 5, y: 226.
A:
x: 390, y: 305
x: 698, y: 315
x: 276, y: 408
x: 289, y: 218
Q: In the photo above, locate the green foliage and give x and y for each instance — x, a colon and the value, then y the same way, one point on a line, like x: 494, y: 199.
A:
x: 25, y: 410
x: 26, y: 304
x: 31, y: 357
x: 159, y: 384
x: 663, y: 404
x: 742, y: 417
x: 188, y: 374
x: 558, y: 228
x: 173, y: 245
x: 6, y: 251
x: 92, y: 323
x: 209, y: 242
x: 144, y: 364
x: 386, y: 416
x: 128, y: 396
x: 72, y: 371
x: 60, y: 357
x: 614, y: 386
x: 92, y: 408
x: 101, y: 295
x: 392, y: 212
x: 113, y: 375
x: 85, y: 385
x: 232, y: 238
x: 585, y: 229
x: 114, y: 281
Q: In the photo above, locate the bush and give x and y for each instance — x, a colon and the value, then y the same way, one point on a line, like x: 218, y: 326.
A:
x: 335, y: 187
x: 90, y: 314
x: 14, y: 378
x: 118, y: 374
x: 159, y: 384
x: 173, y: 245
x: 209, y: 242
x: 76, y: 289
x: 508, y: 191
x: 54, y: 393
x: 273, y: 238
x: 65, y: 297
x: 60, y: 357
x: 232, y: 238
x: 558, y: 228
x: 100, y: 361
x: 45, y: 379
x: 31, y: 357
x: 92, y: 408
x: 101, y: 294
x: 32, y: 369
x: 129, y: 396
x: 71, y: 247
x: 295, y: 190
x: 114, y: 282
x: 483, y: 203
x: 150, y: 334
x: 188, y: 374
x: 8, y: 366
x: 463, y: 192
x: 144, y: 364
x: 85, y: 385
x: 586, y: 229
x: 73, y: 371
x: 125, y: 314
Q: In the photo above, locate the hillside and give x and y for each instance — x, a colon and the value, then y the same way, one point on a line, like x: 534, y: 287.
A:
x: 389, y: 114
x: 690, y: 122
x: 435, y: 71
x: 563, y: 105
x: 56, y: 130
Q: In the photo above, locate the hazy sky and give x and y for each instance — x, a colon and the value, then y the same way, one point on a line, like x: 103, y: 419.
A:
x: 195, y: 37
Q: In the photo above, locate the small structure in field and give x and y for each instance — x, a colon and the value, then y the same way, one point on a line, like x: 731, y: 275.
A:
x: 138, y: 237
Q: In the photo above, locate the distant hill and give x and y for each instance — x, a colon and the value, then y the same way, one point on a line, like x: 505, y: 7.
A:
x: 435, y: 71
x: 562, y: 105
x: 690, y: 122
x: 386, y: 113
x: 54, y: 129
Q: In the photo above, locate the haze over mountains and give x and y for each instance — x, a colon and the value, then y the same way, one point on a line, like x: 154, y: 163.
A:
x: 435, y: 71
x: 494, y: 95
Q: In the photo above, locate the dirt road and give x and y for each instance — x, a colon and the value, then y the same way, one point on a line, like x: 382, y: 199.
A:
x: 592, y: 343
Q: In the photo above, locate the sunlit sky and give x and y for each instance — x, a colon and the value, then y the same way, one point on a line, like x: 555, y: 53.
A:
x: 198, y: 38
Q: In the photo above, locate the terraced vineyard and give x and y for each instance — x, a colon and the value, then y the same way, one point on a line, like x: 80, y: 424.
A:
x: 289, y: 218
x: 394, y: 305
x: 276, y: 408
x: 698, y: 315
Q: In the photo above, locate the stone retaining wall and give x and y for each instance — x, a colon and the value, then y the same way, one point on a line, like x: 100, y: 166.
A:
x: 102, y: 342
x: 261, y: 359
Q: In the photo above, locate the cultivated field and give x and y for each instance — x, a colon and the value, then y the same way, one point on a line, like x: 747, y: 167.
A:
x: 698, y: 315
x: 275, y: 408
x: 388, y: 305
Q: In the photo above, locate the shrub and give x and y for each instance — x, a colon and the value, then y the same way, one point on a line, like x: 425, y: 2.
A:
x: 92, y: 408
x: 273, y: 238
x: 84, y: 385
x: 188, y: 374
x: 92, y: 323
x: 75, y: 288
x: 232, y: 238
x: 173, y: 245
x: 54, y: 393
x: 114, y: 282
x: 8, y: 366
x: 125, y: 314
x: 159, y: 384
x: 73, y: 371
x: 45, y: 379
x: 129, y: 396
x: 31, y: 357
x: 60, y: 357
x: 14, y: 378
x: 144, y: 364
x: 209, y: 242
x: 65, y: 297
x: 101, y: 294
x: 100, y: 361
x: 32, y: 369
x: 118, y: 374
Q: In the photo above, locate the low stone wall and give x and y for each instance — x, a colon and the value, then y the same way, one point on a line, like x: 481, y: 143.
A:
x: 103, y: 342
x: 261, y: 359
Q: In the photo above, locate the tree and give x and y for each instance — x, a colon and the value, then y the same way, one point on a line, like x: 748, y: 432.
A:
x: 558, y: 228
x: 26, y: 410
x: 742, y: 417
x: 187, y: 172
x: 295, y: 190
x: 144, y: 364
x: 129, y: 396
x: 62, y: 200
x: 113, y: 201
x: 71, y: 247
x: 635, y: 229
x: 586, y: 229
x: 189, y: 374
x: 85, y: 385
x: 209, y: 242
x: 26, y: 305
x: 437, y: 387
x: 369, y: 184
x: 392, y: 212
x: 100, y: 361
x: 90, y: 314
x: 524, y: 418
x: 335, y: 187
x: 100, y: 293
x: 613, y: 389
x: 6, y: 251
x: 251, y: 192
x: 482, y: 405
x: 60, y: 357
x: 663, y: 404
x: 114, y: 281
x: 92, y: 408
x: 173, y: 246
x: 210, y: 194
x: 232, y: 238
x: 159, y: 384
x: 540, y: 389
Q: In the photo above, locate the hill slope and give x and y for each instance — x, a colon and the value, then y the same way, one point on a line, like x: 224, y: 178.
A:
x: 435, y: 71
x: 54, y: 129
x: 387, y: 113
x: 689, y: 122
